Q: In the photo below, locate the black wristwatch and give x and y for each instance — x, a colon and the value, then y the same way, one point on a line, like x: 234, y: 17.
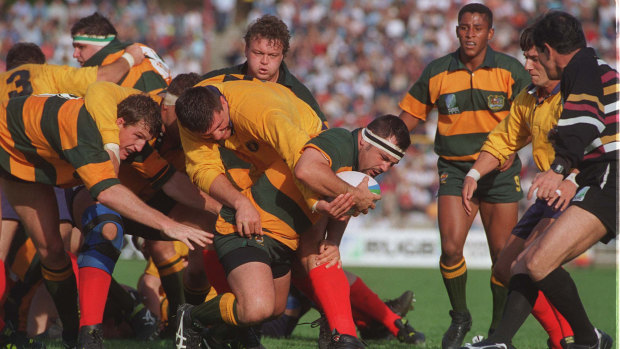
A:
x: 558, y: 168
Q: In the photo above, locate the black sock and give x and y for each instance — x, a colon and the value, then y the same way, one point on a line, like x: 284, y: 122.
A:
x: 521, y: 298
x: 561, y: 291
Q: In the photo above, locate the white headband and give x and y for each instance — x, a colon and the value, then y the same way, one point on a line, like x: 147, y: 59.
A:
x: 382, y: 144
x: 170, y: 99
x: 96, y: 40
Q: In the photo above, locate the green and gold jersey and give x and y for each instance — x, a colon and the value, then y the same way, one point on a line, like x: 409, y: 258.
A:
x: 54, y: 140
x: 470, y: 104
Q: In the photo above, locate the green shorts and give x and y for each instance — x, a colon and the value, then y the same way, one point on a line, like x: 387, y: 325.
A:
x: 234, y: 250
x: 496, y: 187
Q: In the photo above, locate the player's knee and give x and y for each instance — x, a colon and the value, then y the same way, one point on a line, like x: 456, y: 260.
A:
x: 451, y: 256
x: 534, y: 266
x: 256, y: 310
x: 52, y: 253
x: 103, y: 238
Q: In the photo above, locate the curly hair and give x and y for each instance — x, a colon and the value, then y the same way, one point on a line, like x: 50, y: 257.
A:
x: 94, y: 24
x: 137, y: 108
x: 271, y: 28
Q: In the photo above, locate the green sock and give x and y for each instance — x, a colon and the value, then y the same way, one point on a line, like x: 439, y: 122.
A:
x: 500, y: 293
x: 455, y: 280
x: 171, y: 276
x: 195, y: 297
x: 221, y: 309
x: 62, y: 287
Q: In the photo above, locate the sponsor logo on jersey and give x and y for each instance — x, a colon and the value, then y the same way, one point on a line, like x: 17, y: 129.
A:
x: 496, y: 102
x: 451, y: 105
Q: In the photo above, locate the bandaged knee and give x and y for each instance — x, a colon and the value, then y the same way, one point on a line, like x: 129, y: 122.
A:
x: 97, y: 251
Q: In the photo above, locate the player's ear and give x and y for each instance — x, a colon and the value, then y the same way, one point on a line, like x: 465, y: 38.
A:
x: 120, y: 121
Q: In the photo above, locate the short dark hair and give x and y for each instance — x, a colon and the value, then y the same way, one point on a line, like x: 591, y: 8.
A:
x: 182, y: 82
x: 271, y: 28
x: 389, y: 125
x: 138, y: 108
x: 94, y: 24
x: 561, y: 31
x: 195, y: 108
x: 526, y: 41
x: 24, y: 53
x: 477, y: 8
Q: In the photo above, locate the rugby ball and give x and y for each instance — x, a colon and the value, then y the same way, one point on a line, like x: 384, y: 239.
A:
x: 354, y: 178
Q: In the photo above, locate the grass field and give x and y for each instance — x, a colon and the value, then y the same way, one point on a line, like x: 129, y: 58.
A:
x: 597, y: 287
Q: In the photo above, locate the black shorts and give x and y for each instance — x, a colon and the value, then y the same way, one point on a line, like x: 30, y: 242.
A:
x: 601, y: 199
x: 235, y: 250
x: 532, y: 216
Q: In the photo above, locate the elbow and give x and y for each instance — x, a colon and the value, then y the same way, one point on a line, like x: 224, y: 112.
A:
x: 302, y: 173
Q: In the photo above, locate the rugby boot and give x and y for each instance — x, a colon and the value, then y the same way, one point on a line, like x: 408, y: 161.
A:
x: 187, y: 335
x: 144, y: 324
x: 248, y: 338
x: 403, y: 304
x: 460, y: 325
x: 90, y: 337
x: 11, y: 339
x: 407, y: 334
x: 345, y: 341
x: 325, y: 335
x: 486, y: 344
x: 604, y: 340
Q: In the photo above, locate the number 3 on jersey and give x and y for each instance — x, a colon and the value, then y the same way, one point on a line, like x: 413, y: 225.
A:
x: 21, y: 79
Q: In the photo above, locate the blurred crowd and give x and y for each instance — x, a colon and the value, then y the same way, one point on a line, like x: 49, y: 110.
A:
x: 358, y: 57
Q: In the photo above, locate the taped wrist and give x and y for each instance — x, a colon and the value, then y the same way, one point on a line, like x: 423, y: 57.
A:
x: 97, y: 251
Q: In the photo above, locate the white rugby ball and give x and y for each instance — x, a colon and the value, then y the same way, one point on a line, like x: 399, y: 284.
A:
x: 354, y: 178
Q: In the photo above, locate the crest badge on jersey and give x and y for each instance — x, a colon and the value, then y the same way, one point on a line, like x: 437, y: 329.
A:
x: 443, y: 178
x: 252, y: 146
x: 451, y: 105
x: 496, y: 102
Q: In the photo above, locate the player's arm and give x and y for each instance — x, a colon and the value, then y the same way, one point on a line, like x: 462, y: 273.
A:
x: 410, y: 120
x: 122, y: 200
x: 204, y: 166
x: 247, y: 217
x: 116, y: 70
x: 485, y: 163
x: 314, y: 171
x: 182, y: 190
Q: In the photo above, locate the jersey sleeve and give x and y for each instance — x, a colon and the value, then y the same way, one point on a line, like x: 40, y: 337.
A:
x: 202, y: 159
x: 418, y: 101
x: 101, y: 100
x: 91, y: 162
x: 511, y: 134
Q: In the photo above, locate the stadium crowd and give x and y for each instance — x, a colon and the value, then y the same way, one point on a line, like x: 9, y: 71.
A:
x: 245, y: 164
x: 357, y: 57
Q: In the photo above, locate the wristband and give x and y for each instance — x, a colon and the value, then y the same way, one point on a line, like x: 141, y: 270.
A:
x: 314, y: 207
x: 473, y: 173
x: 571, y: 177
x: 129, y: 58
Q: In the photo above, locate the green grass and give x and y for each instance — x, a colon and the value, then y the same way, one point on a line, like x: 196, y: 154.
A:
x: 597, y: 287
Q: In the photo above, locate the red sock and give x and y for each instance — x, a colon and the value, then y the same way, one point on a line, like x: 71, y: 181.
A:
x: 75, y: 267
x: 360, y: 318
x: 215, y: 271
x: 367, y: 301
x: 331, y: 289
x: 544, y: 313
x: 564, y: 325
x: 93, y: 292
